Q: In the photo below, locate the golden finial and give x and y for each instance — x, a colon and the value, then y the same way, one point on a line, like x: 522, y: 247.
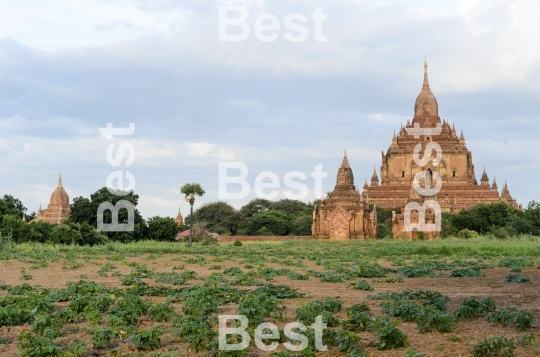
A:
x: 425, y: 61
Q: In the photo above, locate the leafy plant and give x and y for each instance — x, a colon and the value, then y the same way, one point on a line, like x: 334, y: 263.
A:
x: 147, y: 339
x: 257, y: 306
x: 390, y: 337
x: 516, y: 278
x: 362, y: 285
x: 432, y: 319
x: 522, y: 319
x: 161, y: 312
x: 308, y: 312
x: 33, y: 346
x: 411, y: 352
x: 497, y: 346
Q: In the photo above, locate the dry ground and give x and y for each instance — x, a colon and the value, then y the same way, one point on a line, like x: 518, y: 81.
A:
x: 456, y: 344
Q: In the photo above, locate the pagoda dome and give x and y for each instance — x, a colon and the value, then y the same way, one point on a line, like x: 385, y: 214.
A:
x: 59, y: 196
x: 426, y: 104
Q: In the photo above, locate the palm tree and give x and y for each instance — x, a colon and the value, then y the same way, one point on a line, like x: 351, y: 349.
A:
x: 191, y: 190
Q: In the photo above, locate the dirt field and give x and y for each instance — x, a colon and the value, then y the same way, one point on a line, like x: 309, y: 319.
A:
x: 525, y: 296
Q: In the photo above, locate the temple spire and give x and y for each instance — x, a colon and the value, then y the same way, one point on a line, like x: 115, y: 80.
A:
x: 374, y: 177
x: 426, y: 82
x: 494, y: 186
x: 59, y: 185
x: 345, y: 162
x: 484, y: 181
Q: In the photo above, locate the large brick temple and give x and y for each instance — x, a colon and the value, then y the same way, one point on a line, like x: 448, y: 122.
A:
x: 345, y: 214
x: 459, y: 190
x: 58, y: 209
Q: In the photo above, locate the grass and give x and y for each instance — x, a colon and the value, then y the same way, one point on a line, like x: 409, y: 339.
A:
x: 481, y: 247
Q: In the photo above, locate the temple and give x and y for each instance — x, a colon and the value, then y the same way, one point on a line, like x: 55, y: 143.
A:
x: 58, y: 209
x: 179, y: 219
x: 459, y: 190
x: 345, y: 214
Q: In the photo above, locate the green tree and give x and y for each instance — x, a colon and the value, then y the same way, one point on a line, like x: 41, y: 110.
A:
x: 13, y: 226
x: 190, y: 190
x: 218, y: 216
x: 248, y: 211
x: 84, y: 210
x: 291, y: 207
x: 162, y: 229
x: 10, y: 205
x: 76, y: 234
x: 270, y: 222
x: 301, y: 225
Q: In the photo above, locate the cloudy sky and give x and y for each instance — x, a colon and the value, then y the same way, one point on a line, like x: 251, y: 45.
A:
x: 69, y: 67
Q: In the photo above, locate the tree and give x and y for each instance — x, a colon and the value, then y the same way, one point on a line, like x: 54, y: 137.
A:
x: 218, y: 216
x: 292, y: 207
x: 84, y: 210
x: 10, y: 205
x: 301, y: 225
x: 162, y: 229
x: 270, y: 222
x: 76, y: 234
x: 248, y: 211
x: 190, y: 190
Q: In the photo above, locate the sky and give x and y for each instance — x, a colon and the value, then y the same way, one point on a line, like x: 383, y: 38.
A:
x: 69, y: 67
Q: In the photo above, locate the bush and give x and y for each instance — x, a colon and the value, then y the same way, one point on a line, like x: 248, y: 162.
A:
x: 497, y: 346
x: 147, y: 339
x: 467, y: 234
x: 516, y: 278
x: 522, y: 319
x: 358, y: 318
x: 257, y: 306
x: 431, y: 320
x: 308, y: 312
x: 390, y: 337
x: 362, y: 285
x: 237, y: 243
x: 471, y: 307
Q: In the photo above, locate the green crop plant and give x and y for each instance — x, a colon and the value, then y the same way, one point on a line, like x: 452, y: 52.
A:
x: 362, y: 285
x: 516, y: 278
x: 257, y: 306
x: 307, y: 313
x: 390, y: 337
x: 146, y: 339
x: 497, y: 346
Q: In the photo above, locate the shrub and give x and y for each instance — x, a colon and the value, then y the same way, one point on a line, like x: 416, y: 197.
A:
x: 516, y: 278
x: 362, y: 285
x: 390, y: 336
x: 308, y: 312
x: 358, y: 318
x: 497, y: 346
x: 147, y: 339
x: 471, y: 307
x: 467, y: 234
x: 467, y: 272
x: 406, y: 310
x: 161, y: 312
x: 522, y: 319
x: 411, y: 352
x: 257, y: 306
x: 431, y: 320
x: 32, y: 346
x: 238, y: 243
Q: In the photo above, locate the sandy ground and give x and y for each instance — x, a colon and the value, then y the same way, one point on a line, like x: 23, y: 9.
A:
x: 456, y: 344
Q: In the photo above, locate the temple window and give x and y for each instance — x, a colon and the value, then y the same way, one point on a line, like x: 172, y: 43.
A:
x: 402, y: 173
x: 454, y: 173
